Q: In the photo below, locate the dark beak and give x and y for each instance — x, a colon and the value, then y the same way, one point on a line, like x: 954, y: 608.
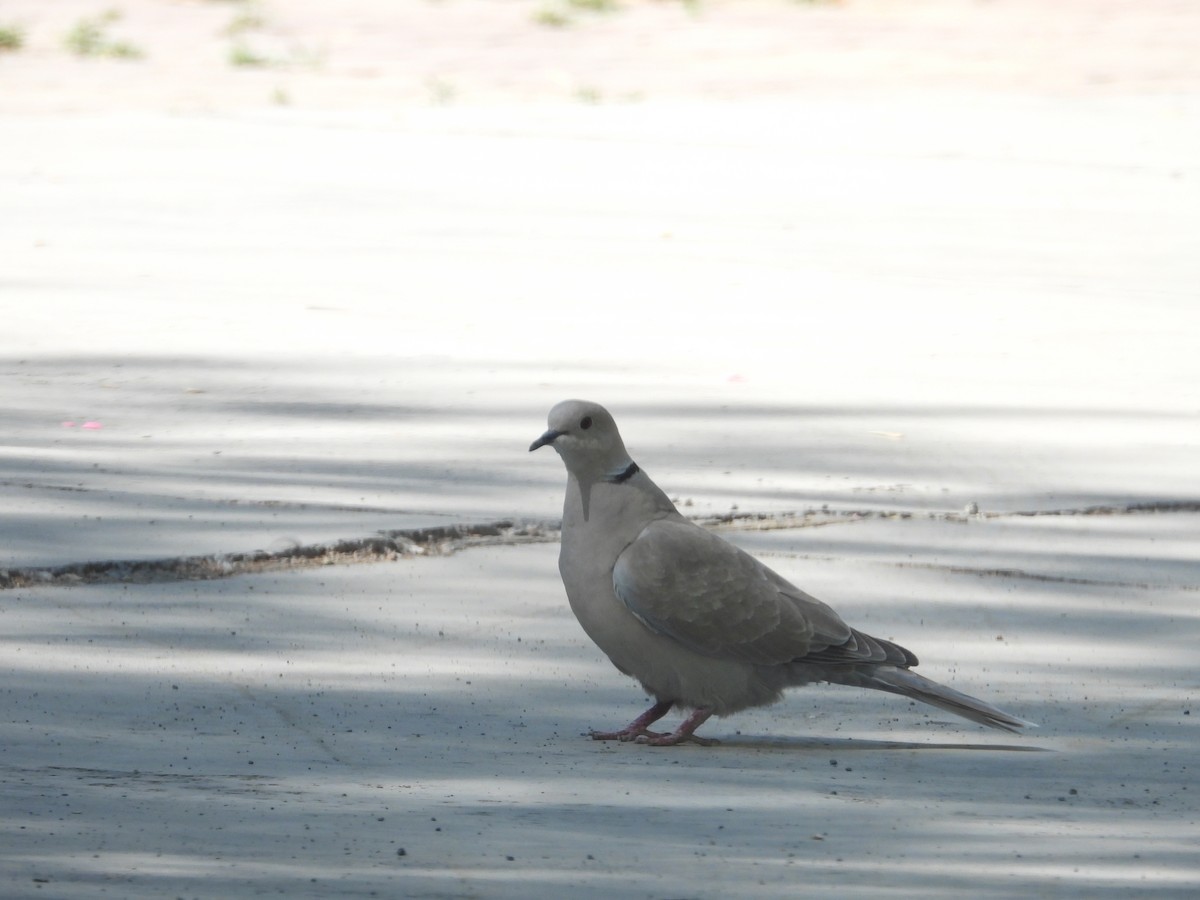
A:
x: 547, y: 438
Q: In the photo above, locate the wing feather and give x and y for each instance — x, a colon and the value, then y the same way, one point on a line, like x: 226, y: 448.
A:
x: 685, y: 582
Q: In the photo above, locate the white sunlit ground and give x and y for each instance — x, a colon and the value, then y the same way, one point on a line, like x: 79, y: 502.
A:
x: 249, y: 310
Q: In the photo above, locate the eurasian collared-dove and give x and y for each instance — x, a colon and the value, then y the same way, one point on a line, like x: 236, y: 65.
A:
x: 701, y: 624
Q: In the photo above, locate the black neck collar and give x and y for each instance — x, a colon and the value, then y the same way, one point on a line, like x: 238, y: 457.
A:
x: 624, y: 475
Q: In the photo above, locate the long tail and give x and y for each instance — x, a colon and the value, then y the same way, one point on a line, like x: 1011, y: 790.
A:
x: 910, y: 684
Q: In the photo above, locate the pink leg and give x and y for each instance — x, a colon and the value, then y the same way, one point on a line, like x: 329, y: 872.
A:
x: 638, y: 727
x: 684, y: 732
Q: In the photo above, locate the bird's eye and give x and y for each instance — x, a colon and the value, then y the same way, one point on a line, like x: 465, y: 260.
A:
x: 585, y: 423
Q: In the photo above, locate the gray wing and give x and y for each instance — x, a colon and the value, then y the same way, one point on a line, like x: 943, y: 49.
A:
x: 685, y: 582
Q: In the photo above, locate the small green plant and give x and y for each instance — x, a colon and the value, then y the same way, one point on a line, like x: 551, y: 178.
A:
x: 588, y: 94
x: 596, y: 6
x: 12, y: 37
x: 552, y: 17
x: 250, y: 18
x: 89, y: 37
x: 123, y: 50
x: 280, y: 97
x: 86, y: 38
x: 441, y: 91
x: 562, y: 13
x: 242, y: 54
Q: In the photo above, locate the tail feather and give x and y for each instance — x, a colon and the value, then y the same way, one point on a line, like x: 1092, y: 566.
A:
x: 910, y: 684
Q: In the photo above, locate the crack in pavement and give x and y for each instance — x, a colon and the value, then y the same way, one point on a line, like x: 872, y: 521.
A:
x: 381, y: 547
x: 445, y: 540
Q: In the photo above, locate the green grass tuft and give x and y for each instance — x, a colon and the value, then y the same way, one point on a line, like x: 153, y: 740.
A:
x: 441, y: 91
x: 242, y: 54
x: 562, y: 13
x: 552, y: 17
x: 596, y: 6
x: 89, y: 37
x: 12, y: 37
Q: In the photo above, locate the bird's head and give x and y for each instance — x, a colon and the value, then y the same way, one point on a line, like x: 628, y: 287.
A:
x: 586, y: 437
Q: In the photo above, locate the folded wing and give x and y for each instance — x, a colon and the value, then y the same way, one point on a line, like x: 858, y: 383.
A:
x: 685, y: 582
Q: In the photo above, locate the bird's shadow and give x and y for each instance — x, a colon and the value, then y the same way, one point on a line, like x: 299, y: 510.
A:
x: 844, y: 745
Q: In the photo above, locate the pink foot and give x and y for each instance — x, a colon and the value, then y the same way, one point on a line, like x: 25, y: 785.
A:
x: 675, y: 737
x: 638, y: 729
x: 684, y: 733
